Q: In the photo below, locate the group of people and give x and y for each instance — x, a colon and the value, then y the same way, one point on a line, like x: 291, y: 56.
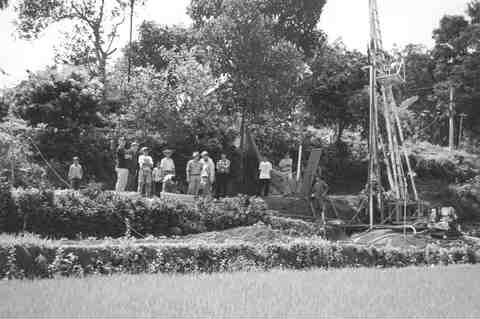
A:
x: 154, y: 178
x: 136, y: 171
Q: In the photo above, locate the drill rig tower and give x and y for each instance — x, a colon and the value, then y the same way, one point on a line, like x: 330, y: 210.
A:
x: 387, y: 156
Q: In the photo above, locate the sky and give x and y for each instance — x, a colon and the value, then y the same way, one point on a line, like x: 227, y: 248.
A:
x: 402, y: 22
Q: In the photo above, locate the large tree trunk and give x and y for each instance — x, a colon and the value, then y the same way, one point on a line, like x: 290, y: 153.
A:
x: 103, y: 77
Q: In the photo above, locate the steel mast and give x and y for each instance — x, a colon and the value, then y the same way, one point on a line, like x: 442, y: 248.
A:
x: 375, y: 52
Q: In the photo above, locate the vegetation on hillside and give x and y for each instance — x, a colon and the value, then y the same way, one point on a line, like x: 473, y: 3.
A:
x: 190, y: 87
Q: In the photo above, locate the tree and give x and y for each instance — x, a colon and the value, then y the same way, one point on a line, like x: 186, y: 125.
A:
x: 265, y: 70
x: 337, y: 95
x: 154, y: 40
x: 65, y: 99
x: 423, y: 119
x: 75, y: 49
x: 293, y: 20
x: 457, y: 61
x: 63, y: 108
x: 97, y: 20
x: 172, y: 106
x: 16, y: 156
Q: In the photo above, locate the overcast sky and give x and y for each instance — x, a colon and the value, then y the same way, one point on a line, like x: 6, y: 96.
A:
x: 402, y: 21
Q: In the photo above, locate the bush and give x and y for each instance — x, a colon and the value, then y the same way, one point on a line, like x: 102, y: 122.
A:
x: 439, y: 162
x: 8, y: 218
x: 100, y: 214
x: 32, y: 257
x: 467, y: 196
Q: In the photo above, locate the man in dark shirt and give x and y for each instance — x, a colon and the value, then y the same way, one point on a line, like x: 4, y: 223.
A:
x: 122, y: 167
x: 319, y: 196
x: 223, y: 172
x: 132, y: 163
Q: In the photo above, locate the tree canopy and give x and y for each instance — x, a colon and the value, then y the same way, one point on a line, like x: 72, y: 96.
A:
x: 265, y: 68
x: 337, y: 95
x: 95, y: 26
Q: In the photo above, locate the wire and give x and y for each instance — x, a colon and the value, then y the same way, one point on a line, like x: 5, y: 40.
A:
x: 48, y: 163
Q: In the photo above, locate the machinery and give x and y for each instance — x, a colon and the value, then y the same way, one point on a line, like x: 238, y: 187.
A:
x: 392, y: 197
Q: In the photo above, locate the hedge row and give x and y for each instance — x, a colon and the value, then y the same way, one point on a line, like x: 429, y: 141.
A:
x: 69, y: 214
x: 20, y: 259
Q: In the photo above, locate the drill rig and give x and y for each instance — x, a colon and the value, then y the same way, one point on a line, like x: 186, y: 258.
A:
x: 392, y: 196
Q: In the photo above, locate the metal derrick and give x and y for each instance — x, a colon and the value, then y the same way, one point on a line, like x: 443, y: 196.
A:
x: 386, y: 138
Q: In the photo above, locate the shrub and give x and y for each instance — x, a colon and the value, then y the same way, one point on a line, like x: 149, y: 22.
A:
x: 99, y: 214
x: 32, y: 257
x: 8, y: 219
x: 439, y: 162
x: 467, y: 195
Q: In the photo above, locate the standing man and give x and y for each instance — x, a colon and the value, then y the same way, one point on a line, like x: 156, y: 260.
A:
x: 319, y: 195
x: 208, y: 174
x: 145, y: 163
x: 122, y: 166
x: 132, y: 163
x: 285, y: 165
x: 75, y: 174
x: 167, y: 166
x: 223, y: 173
x: 194, y: 169
x: 265, y: 168
x: 157, y: 180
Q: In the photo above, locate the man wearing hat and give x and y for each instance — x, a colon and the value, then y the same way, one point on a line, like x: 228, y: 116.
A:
x: 75, y: 173
x: 167, y: 166
x: 132, y: 163
x: 194, y: 169
x: 208, y: 174
x: 145, y: 163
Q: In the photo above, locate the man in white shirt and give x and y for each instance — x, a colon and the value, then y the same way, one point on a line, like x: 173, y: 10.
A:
x: 265, y: 168
x: 167, y: 166
x: 75, y: 173
x: 208, y: 174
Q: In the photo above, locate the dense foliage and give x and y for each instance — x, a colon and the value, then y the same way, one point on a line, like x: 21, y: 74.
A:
x: 155, y: 40
x: 65, y: 108
x: 337, y: 92
x: 189, y: 87
x: 32, y: 257
x: 100, y: 214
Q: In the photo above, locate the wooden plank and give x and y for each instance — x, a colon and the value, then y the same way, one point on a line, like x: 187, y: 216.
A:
x: 183, y: 198
x: 312, y: 166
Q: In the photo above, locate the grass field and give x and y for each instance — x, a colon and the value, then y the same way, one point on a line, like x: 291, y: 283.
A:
x: 409, y: 292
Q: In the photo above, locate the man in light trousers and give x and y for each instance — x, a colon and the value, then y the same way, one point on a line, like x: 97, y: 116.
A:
x: 122, y: 167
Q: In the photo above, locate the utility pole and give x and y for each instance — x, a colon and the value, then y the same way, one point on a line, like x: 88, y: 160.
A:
x: 460, y: 129
x: 132, y: 3
x: 242, y: 148
x: 451, y: 122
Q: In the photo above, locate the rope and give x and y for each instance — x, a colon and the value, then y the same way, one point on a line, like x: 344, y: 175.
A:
x: 48, y: 164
